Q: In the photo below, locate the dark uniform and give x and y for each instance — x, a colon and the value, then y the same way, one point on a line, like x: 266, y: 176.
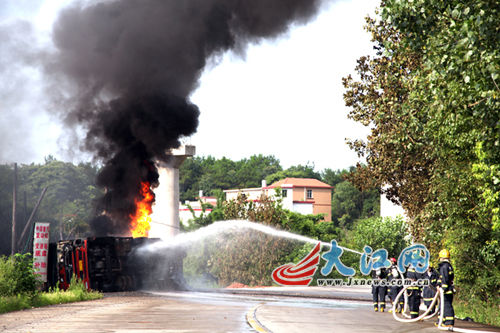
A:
x: 394, y: 274
x: 445, y: 281
x: 379, y: 291
x: 430, y: 290
x: 413, y: 293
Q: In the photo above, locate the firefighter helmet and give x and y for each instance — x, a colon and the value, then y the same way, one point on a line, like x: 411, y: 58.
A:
x: 393, y: 260
x: 444, y: 253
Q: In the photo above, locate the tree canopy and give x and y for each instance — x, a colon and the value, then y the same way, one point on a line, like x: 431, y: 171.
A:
x: 431, y: 97
x: 208, y: 174
x: 67, y: 205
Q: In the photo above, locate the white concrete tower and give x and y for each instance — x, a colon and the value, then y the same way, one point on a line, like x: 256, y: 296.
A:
x: 165, y: 217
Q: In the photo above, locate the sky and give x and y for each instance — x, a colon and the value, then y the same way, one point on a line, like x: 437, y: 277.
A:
x: 284, y: 97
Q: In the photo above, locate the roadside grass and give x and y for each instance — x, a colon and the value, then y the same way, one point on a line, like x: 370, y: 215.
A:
x: 479, y: 311
x: 75, y: 293
x: 19, y: 287
x: 14, y: 303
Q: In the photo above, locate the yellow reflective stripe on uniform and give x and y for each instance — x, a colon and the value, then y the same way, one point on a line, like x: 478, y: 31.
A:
x: 449, y: 292
x: 428, y: 299
x: 449, y: 318
x: 444, y: 285
x: 413, y: 312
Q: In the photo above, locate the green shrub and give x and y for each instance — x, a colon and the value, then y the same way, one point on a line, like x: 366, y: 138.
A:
x: 15, y: 303
x: 76, y: 292
x: 16, y: 275
x: 480, y: 311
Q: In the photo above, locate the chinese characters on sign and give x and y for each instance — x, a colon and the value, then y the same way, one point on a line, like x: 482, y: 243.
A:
x: 41, y: 250
x: 417, y: 256
x: 332, y: 258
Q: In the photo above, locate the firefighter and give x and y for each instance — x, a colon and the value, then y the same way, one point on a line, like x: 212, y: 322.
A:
x: 378, y: 290
x: 413, y: 293
x: 393, y: 290
x: 445, y: 282
x: 430, y: 290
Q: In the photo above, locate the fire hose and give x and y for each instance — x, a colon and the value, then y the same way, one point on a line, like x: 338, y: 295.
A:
x: 427, y: 314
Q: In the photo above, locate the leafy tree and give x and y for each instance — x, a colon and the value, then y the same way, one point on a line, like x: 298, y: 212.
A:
x: 347, y: 204
x: 189, y: 175
x: 333, y: 177
x: 266, y: 210
x: 297, y: 171
x: 17, y: 275
x: 67, y: 205
x: 252, y: 171
x: 209, y: 174
x: 431, y: 97
x: 70, y: 193
x: 380, y: 233
x: 397, y: 154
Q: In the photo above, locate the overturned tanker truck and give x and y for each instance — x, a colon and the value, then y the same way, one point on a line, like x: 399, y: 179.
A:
x: 114, y: 264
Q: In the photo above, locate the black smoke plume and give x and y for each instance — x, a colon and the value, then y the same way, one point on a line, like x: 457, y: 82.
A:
x: 129, y: 67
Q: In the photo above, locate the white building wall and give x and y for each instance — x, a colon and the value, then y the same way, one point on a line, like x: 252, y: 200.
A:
x: 288, y: 200
x: 251, y: 193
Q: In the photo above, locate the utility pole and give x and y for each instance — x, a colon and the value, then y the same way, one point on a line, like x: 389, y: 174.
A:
x: 14, y: 200
x: 28, y: 224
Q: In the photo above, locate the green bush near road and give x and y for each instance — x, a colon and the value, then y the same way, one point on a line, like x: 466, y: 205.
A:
x: 479, y: 311
x: 27, y: 301
x: 18, y: 287
x: 75, y: 293
x: 16, y: 275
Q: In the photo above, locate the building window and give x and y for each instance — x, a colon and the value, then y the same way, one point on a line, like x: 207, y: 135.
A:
x: 283, y: 193
x: 309, y: 194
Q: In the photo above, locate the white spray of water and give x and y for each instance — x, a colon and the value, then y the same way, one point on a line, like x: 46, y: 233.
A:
x: 226, y: 227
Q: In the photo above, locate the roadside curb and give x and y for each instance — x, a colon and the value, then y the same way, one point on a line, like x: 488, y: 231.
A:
x: 254, y: 322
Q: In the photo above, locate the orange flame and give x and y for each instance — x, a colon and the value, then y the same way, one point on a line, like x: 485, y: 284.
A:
x: 140, y: 224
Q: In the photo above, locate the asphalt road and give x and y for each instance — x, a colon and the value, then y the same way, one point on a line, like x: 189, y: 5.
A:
x: 307, y: 310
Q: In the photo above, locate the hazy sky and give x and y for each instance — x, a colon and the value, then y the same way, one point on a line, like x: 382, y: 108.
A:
x: 284, y: 98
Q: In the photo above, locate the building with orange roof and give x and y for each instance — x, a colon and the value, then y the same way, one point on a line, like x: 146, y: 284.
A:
x: 301, y: 195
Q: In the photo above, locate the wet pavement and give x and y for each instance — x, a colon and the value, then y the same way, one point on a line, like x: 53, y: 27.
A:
x: 131, y: 314
x: 339, y: 293
x: 267, y: 309
x: 339, y: 309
